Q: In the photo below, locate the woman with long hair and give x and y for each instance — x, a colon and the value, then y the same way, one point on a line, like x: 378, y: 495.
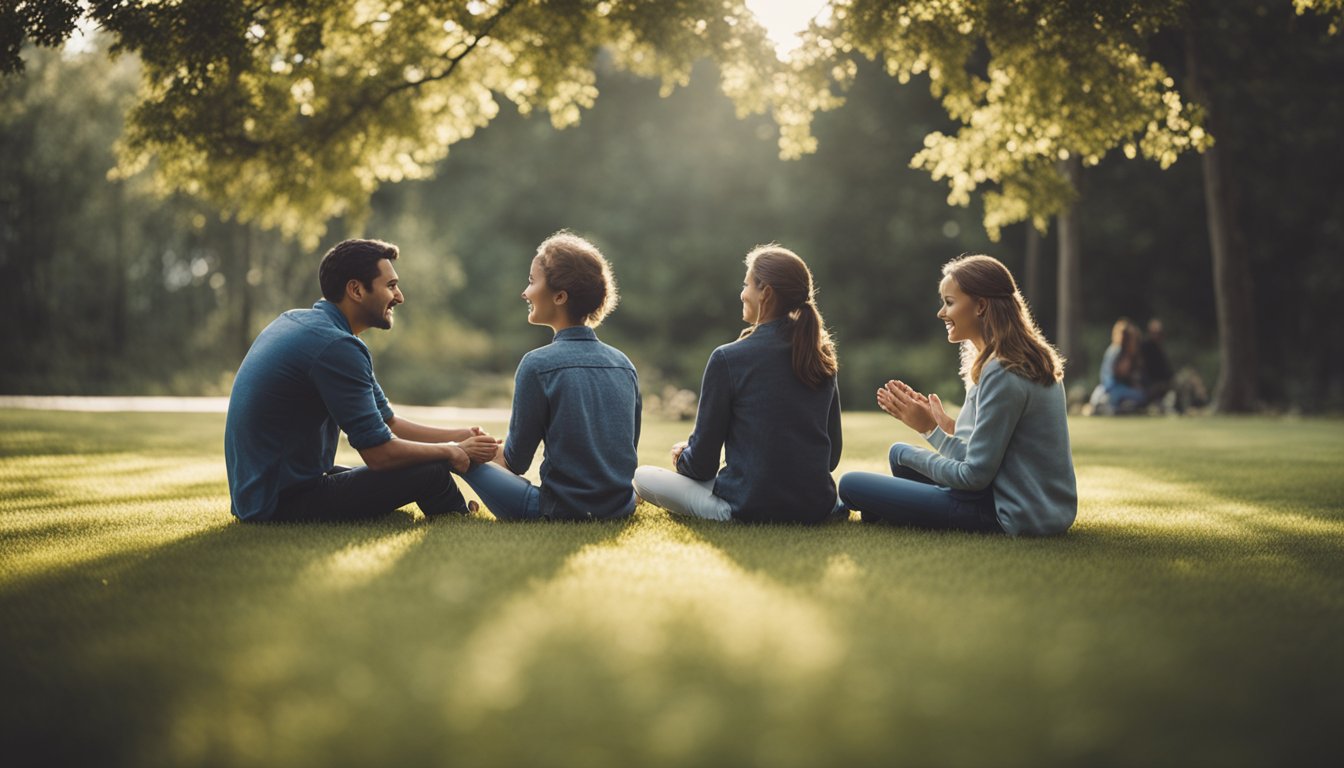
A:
x: 1122, y: 370
x: 769, y: 403
x: 576, y: 394
x: 1004, y: 465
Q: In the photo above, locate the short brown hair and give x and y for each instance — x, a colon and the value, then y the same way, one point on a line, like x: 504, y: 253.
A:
x: 575, y: 266
x: 352, y: 260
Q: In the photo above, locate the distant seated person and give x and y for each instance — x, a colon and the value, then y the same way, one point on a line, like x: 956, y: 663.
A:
x: 1176, y: 391
x: 1121, y: 387
x: 307, y: 378
x: 1157, y: 373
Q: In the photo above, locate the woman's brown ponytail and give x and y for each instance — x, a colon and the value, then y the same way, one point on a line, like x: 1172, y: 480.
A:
x: 814, y: 359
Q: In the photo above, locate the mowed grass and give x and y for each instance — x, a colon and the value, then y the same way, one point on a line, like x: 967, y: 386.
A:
x: 1193, y: 616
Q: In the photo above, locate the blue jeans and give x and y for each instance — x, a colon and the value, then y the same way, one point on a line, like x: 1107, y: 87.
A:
x: 512, y: 497
x: 911, y: 499
x: 1124, y: 397
x: 506, y: 495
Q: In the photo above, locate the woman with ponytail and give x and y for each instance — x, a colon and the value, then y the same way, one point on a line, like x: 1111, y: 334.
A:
x: 1004, y: 465
x: 769, y: 403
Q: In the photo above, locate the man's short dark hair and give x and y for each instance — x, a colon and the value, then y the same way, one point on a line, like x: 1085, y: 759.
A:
x: 352, y: 260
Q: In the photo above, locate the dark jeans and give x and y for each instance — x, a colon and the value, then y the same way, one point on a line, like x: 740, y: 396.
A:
x: 356, y: 494
x: 909, y: 498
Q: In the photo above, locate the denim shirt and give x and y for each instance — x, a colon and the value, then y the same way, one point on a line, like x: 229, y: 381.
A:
x: 580, y: 397
x: 781, y: 439
x: 306, y: 379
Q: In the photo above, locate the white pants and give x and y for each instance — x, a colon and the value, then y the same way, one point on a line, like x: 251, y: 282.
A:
x: 680, y: 495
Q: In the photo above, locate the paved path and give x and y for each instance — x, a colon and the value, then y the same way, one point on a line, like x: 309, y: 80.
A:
x: 437, y: 415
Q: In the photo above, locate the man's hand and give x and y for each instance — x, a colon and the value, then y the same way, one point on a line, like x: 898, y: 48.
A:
x: 458, y: 457
x: 480, y: 447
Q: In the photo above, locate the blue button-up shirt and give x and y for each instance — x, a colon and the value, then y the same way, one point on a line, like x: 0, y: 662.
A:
x: 306, y: 379
x: 580, y: 397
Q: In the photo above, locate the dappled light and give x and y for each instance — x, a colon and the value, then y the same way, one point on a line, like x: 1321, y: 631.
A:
x: 639, y: 605
x: 192, y: 639
x: 174, y: 171
x: 100, y: 494
x: 358, y: 564
x: 1129, y: 500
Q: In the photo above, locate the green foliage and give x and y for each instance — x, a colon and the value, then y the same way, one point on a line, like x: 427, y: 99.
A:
x: 1031, y: 84
x: 1154, y: 632
x: 48, y: 23
x: 289, y: 114
x: 119, y: 290
x: 675, y: 191
x: 1334, y: 9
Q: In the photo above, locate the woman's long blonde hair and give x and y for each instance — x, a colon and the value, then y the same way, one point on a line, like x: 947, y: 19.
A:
x: 1010, y: 334
x: 814, y: 359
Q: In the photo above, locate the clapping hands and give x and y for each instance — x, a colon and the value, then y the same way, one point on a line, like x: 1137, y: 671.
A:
x: 913, y: 409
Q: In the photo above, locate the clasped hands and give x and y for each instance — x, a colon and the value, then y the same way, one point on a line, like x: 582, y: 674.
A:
x: 479, y: 448
x: 913, y: 409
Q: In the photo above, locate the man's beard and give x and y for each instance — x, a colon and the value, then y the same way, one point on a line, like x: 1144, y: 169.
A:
x: 381, y: 318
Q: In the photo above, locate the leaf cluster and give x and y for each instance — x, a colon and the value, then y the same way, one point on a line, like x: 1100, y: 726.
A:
x: 1032, y: 83
x: 289, y: 114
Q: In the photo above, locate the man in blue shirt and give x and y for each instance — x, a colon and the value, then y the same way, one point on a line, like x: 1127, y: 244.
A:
x: 309, y: 377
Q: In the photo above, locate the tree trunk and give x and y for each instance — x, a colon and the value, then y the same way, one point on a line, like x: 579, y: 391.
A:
x: 1237, y: 388
x: 1070, y: 280
x: 242, y: 287
x: 120, y: 266
x: 1032, y: 270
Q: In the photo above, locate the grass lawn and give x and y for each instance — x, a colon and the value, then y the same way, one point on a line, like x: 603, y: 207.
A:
x: 1193, y: 616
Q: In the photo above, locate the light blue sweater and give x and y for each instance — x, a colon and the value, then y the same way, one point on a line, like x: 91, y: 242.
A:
x: 1012, y: 434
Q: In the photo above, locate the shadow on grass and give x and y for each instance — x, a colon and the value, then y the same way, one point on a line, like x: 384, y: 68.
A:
x: 660, y: 641
x: 1128, y: 642
x: 1193, y: 616
x: 231, y: 640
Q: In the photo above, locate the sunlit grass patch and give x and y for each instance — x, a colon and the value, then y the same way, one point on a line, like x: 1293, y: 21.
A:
x: 1192, y: 616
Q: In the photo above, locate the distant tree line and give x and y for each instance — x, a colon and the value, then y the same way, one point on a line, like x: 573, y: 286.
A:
x: 122, y: 289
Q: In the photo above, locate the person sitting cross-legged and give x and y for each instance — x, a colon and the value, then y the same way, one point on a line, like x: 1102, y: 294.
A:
x: 308, y: 377
x: 769, y: 404
x: 1004, y: 465
x: 576, y: 394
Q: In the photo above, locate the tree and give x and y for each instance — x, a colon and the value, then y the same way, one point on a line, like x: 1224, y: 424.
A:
x: 288, y: 114
x: 1040, y: 89
x: 1333, y: 9
x: 240, y: 62
x: 1236, y: 390
x: 1039, y: 86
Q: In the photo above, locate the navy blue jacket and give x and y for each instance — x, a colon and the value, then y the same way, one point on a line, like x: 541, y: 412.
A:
x: 781, y: 439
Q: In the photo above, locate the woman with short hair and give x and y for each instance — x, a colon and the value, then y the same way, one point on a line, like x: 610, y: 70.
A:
x: 576, y: 394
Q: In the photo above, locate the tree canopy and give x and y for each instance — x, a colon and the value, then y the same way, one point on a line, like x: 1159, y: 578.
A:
x: 287, y: 114
x: 671, y: 186
x: 1031, y: 83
